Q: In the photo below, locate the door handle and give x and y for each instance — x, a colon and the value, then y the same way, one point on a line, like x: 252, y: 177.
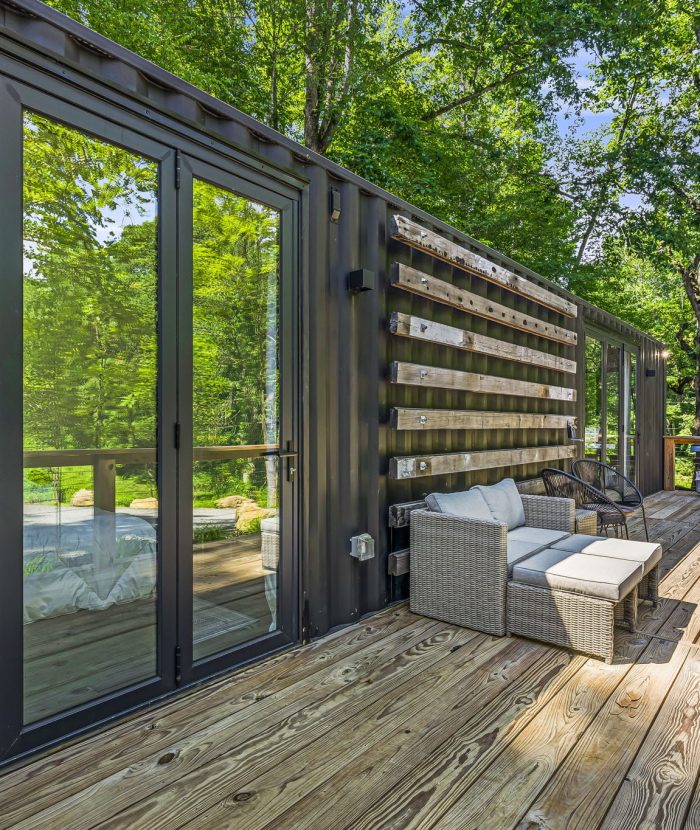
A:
x: 291, y: 455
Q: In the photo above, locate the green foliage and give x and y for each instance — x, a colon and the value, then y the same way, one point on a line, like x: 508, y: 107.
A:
x: 40, y: 563
x: 210, y: 533
x: 458, y: 107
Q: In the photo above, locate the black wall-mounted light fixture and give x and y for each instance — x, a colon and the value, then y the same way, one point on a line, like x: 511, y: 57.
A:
x: 360, y: 280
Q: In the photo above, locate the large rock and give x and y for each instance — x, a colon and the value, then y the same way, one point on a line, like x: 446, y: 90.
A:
x: 249, y: 512
x: 234, y: 501
x: 83, y: 498
x: 144, y: 504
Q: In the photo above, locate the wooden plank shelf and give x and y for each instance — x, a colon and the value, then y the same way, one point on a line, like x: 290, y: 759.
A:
x: 407, y: 325
x: 417, y: 282
x: 403, y: 418
x: 463, y: 462
x: 400, y: 514
x: 413, y: 374
x: 412, y: 234
x: 398, y: 563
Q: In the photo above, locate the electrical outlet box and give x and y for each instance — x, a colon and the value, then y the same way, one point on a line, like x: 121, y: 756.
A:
x: 362, y: 547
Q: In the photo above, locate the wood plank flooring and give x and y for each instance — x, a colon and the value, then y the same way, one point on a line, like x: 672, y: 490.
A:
x: 403, y: 722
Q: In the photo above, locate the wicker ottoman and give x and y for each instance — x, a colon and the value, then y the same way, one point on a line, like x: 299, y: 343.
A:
x: 270, y: 542
x: 571, y: 599
x: 647, y: 554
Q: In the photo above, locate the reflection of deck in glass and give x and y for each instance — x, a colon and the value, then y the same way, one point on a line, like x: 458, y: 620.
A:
x: 78, y: 656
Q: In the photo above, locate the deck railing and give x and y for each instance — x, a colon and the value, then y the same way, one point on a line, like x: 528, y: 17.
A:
x: 670, y: 444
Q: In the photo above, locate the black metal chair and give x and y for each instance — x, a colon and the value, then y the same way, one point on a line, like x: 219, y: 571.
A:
x: 616, y: 486
x: 566, y: 485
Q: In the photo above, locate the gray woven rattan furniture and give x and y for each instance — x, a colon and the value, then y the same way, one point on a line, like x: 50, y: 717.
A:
x: 572, y: 620
x: 586, y: 521
x: 459, y: 566
x: 516, y: 566
x: 613, y: 484
x: 270, y: 542
x: 562, y: 484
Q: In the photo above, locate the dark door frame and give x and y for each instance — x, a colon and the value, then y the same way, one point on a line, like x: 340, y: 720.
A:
x: 228, y: 177
x: 27, y: 86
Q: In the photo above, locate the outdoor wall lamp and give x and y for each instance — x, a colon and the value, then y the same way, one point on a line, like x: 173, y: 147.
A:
x: 360, y: 280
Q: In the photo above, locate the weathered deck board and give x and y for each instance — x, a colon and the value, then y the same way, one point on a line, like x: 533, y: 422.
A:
x: 403, y: 722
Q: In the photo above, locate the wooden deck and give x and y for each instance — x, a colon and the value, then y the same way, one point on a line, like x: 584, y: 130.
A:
x: 402, y: 722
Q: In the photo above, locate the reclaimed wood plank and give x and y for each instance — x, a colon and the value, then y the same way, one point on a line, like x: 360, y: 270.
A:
x: 411, y: 233
x: 417, y: 282
x: 415, y: 374
x: 432, y: 465
x: 405, y: 418
x: 408, y: 325
x: 400, y: 514
x: 398, y: 563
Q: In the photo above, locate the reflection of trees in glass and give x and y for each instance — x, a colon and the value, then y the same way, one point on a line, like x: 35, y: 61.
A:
x: 593, y: 380
x: 612, y: 403
x: 236, y: 255
x: 90, y: 288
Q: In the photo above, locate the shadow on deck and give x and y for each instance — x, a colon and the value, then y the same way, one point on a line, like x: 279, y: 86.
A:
x: 404, y: 722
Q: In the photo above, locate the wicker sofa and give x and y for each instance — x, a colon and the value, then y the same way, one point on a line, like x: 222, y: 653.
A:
x: 471, y: 591
x: 531, y: 575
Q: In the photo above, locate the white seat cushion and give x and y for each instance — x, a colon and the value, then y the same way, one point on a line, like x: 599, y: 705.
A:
x: 270, y: 525
x: 648, y: 554
x: 469, y: 504
x: 579, y: 573
x: 504, y: 502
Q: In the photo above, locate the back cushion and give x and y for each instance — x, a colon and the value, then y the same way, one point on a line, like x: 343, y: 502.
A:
x: 504, y: 503
x: 469, y: 504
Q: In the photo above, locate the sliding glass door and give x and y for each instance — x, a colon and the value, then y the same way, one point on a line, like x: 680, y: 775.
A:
x: 148, y: 499
x: 610, y: 403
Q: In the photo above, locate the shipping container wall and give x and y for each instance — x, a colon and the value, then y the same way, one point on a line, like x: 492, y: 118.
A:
x: 346, y: 437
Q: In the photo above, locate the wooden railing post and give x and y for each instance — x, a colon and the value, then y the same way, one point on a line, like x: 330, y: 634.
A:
x: 670, y: 443
x: 669, y: 463
x: 105, y: 525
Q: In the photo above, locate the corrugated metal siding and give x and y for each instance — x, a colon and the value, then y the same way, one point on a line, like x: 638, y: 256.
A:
x: 347, y: 349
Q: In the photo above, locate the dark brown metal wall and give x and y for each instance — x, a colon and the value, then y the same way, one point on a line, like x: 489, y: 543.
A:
x: 346, y: 347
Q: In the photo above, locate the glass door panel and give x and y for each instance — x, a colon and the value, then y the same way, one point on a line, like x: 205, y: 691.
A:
x: 613, y: 367
x: 235, y: 419
x: 593, y: 427
x: 630, y: 415
x: 90, y: 353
